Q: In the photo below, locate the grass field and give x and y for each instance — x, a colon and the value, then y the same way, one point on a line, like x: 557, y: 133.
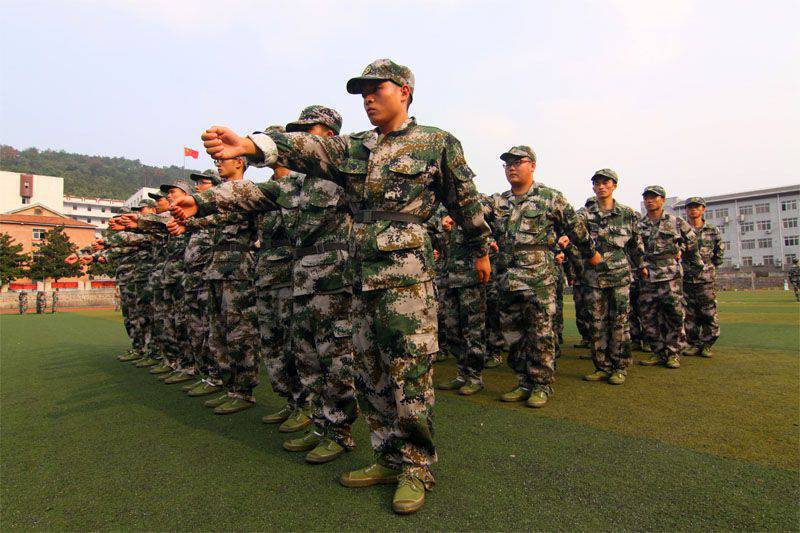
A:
x: 89, y: 443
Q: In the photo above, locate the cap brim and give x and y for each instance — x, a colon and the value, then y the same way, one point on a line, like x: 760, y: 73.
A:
x: 196, y: 176
x: 508, y: 155
x: 300, y: 125
x: 354, y: 84
x: 695, y: 203
x: 155, y: 196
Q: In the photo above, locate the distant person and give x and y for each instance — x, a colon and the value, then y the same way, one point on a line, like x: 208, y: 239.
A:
x: 54, y: 302
x: 116, y: 298
x: 794, y: 279
x: 41, y: 302
x: 23, y: 302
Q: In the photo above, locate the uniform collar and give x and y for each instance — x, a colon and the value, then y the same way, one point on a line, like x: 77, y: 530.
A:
x: 371, y: 140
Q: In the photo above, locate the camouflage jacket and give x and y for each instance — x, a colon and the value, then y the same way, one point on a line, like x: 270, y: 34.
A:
x: 408, y: 172
x: 459, y: 266
x: 199, y: 249
x: 439, y: 239
x: 709, y: 244
x: 526, y: 229
x: 125, y: 250
x: 172, y: 249
x: 664, y: 240
x: 303, y: 212
x: 616, y: 235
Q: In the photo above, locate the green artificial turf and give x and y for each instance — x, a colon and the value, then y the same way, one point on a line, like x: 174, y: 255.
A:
x: 87, y: 442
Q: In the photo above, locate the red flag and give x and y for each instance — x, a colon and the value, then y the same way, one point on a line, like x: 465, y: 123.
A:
x: 188, y: 152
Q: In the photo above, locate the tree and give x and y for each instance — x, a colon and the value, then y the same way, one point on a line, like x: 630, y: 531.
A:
x: 12, y: 260
x: 47, y: 261
x: 102, y: 270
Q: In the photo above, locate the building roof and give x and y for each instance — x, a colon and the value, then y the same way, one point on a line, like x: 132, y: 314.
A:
x: 70, y: 198
x: 36, y: 207
x: 34, y: 220
x: 747, y: 195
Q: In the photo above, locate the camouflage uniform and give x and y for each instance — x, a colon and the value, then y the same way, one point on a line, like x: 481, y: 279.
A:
x: 558, y: 318
x: 634, y: 317
x: 702, y: 323
x: 526, y: 227
x: 573, y: 270
x: 54, y: 303
x: 394, y: 183
x: 661, y: 293
x: 794, y: 279
x: 439, y: 240
x: 153, y: 297
x: 23, y: 302
x: 616, y: 235
x: 41, y: 302
x: 465, y: 310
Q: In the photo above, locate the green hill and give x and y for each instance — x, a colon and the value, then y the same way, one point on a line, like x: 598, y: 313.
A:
x: 88, y: 175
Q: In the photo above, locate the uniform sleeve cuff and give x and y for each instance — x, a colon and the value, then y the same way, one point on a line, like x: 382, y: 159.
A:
x: 268, y: 150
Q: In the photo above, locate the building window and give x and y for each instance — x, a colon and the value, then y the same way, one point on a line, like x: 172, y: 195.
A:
x: 727, y: 261
x: 747, y: 261
x: 88, y: 208
x: 89, y: 220
x: 721, y: 229
x: 789, y: 223
x: 789, y: 205
x: 788, y: 259
x: 25, y: 200
x: 749, y: 244
x: 726, y: 244
x: 722, y: 212
x: 791, y: 240
x: 102, y: 209
x: 74, y: 207
x: 746, y: 227
x: 762, y: 208
x: 769, y: 260
x: 765, y: 243
x: 746, y: 210
x: 38, y: 234
x: 763, y: 225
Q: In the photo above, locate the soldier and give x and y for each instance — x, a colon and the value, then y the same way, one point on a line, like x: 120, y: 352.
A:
x: 666, y: 239
x: 439, y: 239
x: 613, y: 227
x: 465, y: 315
x: 23, y: 302
x: 558, y: 318
x: 702, y: 323
x: 394, y: 176
x: 574, y: 268
x: 794, y: 278
x: 41, y: 302
x: 54, y: 302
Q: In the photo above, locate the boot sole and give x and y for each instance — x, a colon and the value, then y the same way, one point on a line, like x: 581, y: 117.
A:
x: 197, y: 395
x: 234, y: 411
x: 298, y: 448
x: 275, y: 421
x: 323, y: 460
x: 294, y: 429
x: 360, y: 483
x: 413, y: 508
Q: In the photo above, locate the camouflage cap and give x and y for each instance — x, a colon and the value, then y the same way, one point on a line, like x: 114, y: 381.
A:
x: 591, y: 200
x: 317, y: 114
x: 655, y: 189
x: 128, y: 209
x: 180, y: 183
x: 146, y: 202
x: 696, y: 200
x: 275, y: 128
x: 211, y: 175
x: 606, y: 173
x: 519, y: 151
x: 382, y: 70
x: 156, y: 195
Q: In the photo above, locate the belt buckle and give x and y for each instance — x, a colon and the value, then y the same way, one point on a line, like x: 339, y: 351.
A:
x: 319, y: 248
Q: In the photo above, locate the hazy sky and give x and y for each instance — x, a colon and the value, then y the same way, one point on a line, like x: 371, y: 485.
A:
x: 701, y: 97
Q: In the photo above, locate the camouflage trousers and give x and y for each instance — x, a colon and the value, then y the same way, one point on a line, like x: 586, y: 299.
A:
x: 634, y: 319
x: 702, y: 322
x: 395, y: 337
x: 128, y: 303
x: 54, y: 304
x: 527, y: 318
x: 465, y: 320
x: 23, y: 306
x: 795, y: 283
x: 177, y: 349
x: 322, y: 337
x: 558, y: 318
x: 274, y: 308
x: 233, y: 333
x: 140, y: 313
x: 196, y: 308
x: 583, y: 318
x: 156, y: 311
x: 440, y: 285
x: 40, y: 306
x: 611, y: 343
x: 494, y: 335
x: 661, y: 307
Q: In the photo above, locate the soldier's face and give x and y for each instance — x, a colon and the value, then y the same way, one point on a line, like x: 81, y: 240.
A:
x: 695, y: 211
x: 320, y: 131
x: 231, y: 168
x: 653, y: 202
x: 175, y: 193
x: 519, y: 172
x: 202, y: 185
x: 384, y: 101
x: 147, y: 210
x: 603, y: 188
x: 162, y: 204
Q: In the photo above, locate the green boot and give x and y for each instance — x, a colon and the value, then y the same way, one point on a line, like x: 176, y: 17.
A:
x: 128, y: 357
x: 326, y: 451
x: 539, y: 397
x: 204, y: 389
x: 583, y: 344
x: 705, y: 352
x: 233, y: 405
x: 374, y: 474
x: 146, y: 362
x: 597, y: 375
x: 190, y: 386
x: 494, y: 361
x: 694, y: 350
x: 440, y: 356
x: 646, y: 348
x: 585, y: 356
x: 277, y: 418
x: 180, y: 377
x: 409, y: 496
x: 519, y: 394
x: 216, y: 402
x: 653, y: 360
x: 470, y: 388
x: 297, y: 421
x: 673, y: 362
x: 307, y: 442
x: 163, y: 368
x: 453, y: 384
x: 617, y: 377
x: 168, y: 375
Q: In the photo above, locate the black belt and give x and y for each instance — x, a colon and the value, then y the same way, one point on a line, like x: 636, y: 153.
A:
x: 531, y: 248
x: 392, y: 216
x: 231, y: 248
x: 320, y: 249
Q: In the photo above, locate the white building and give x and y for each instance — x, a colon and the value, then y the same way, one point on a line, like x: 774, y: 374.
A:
x: 136, y: 197
x: 18, y: 190
x: 95, y: 211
